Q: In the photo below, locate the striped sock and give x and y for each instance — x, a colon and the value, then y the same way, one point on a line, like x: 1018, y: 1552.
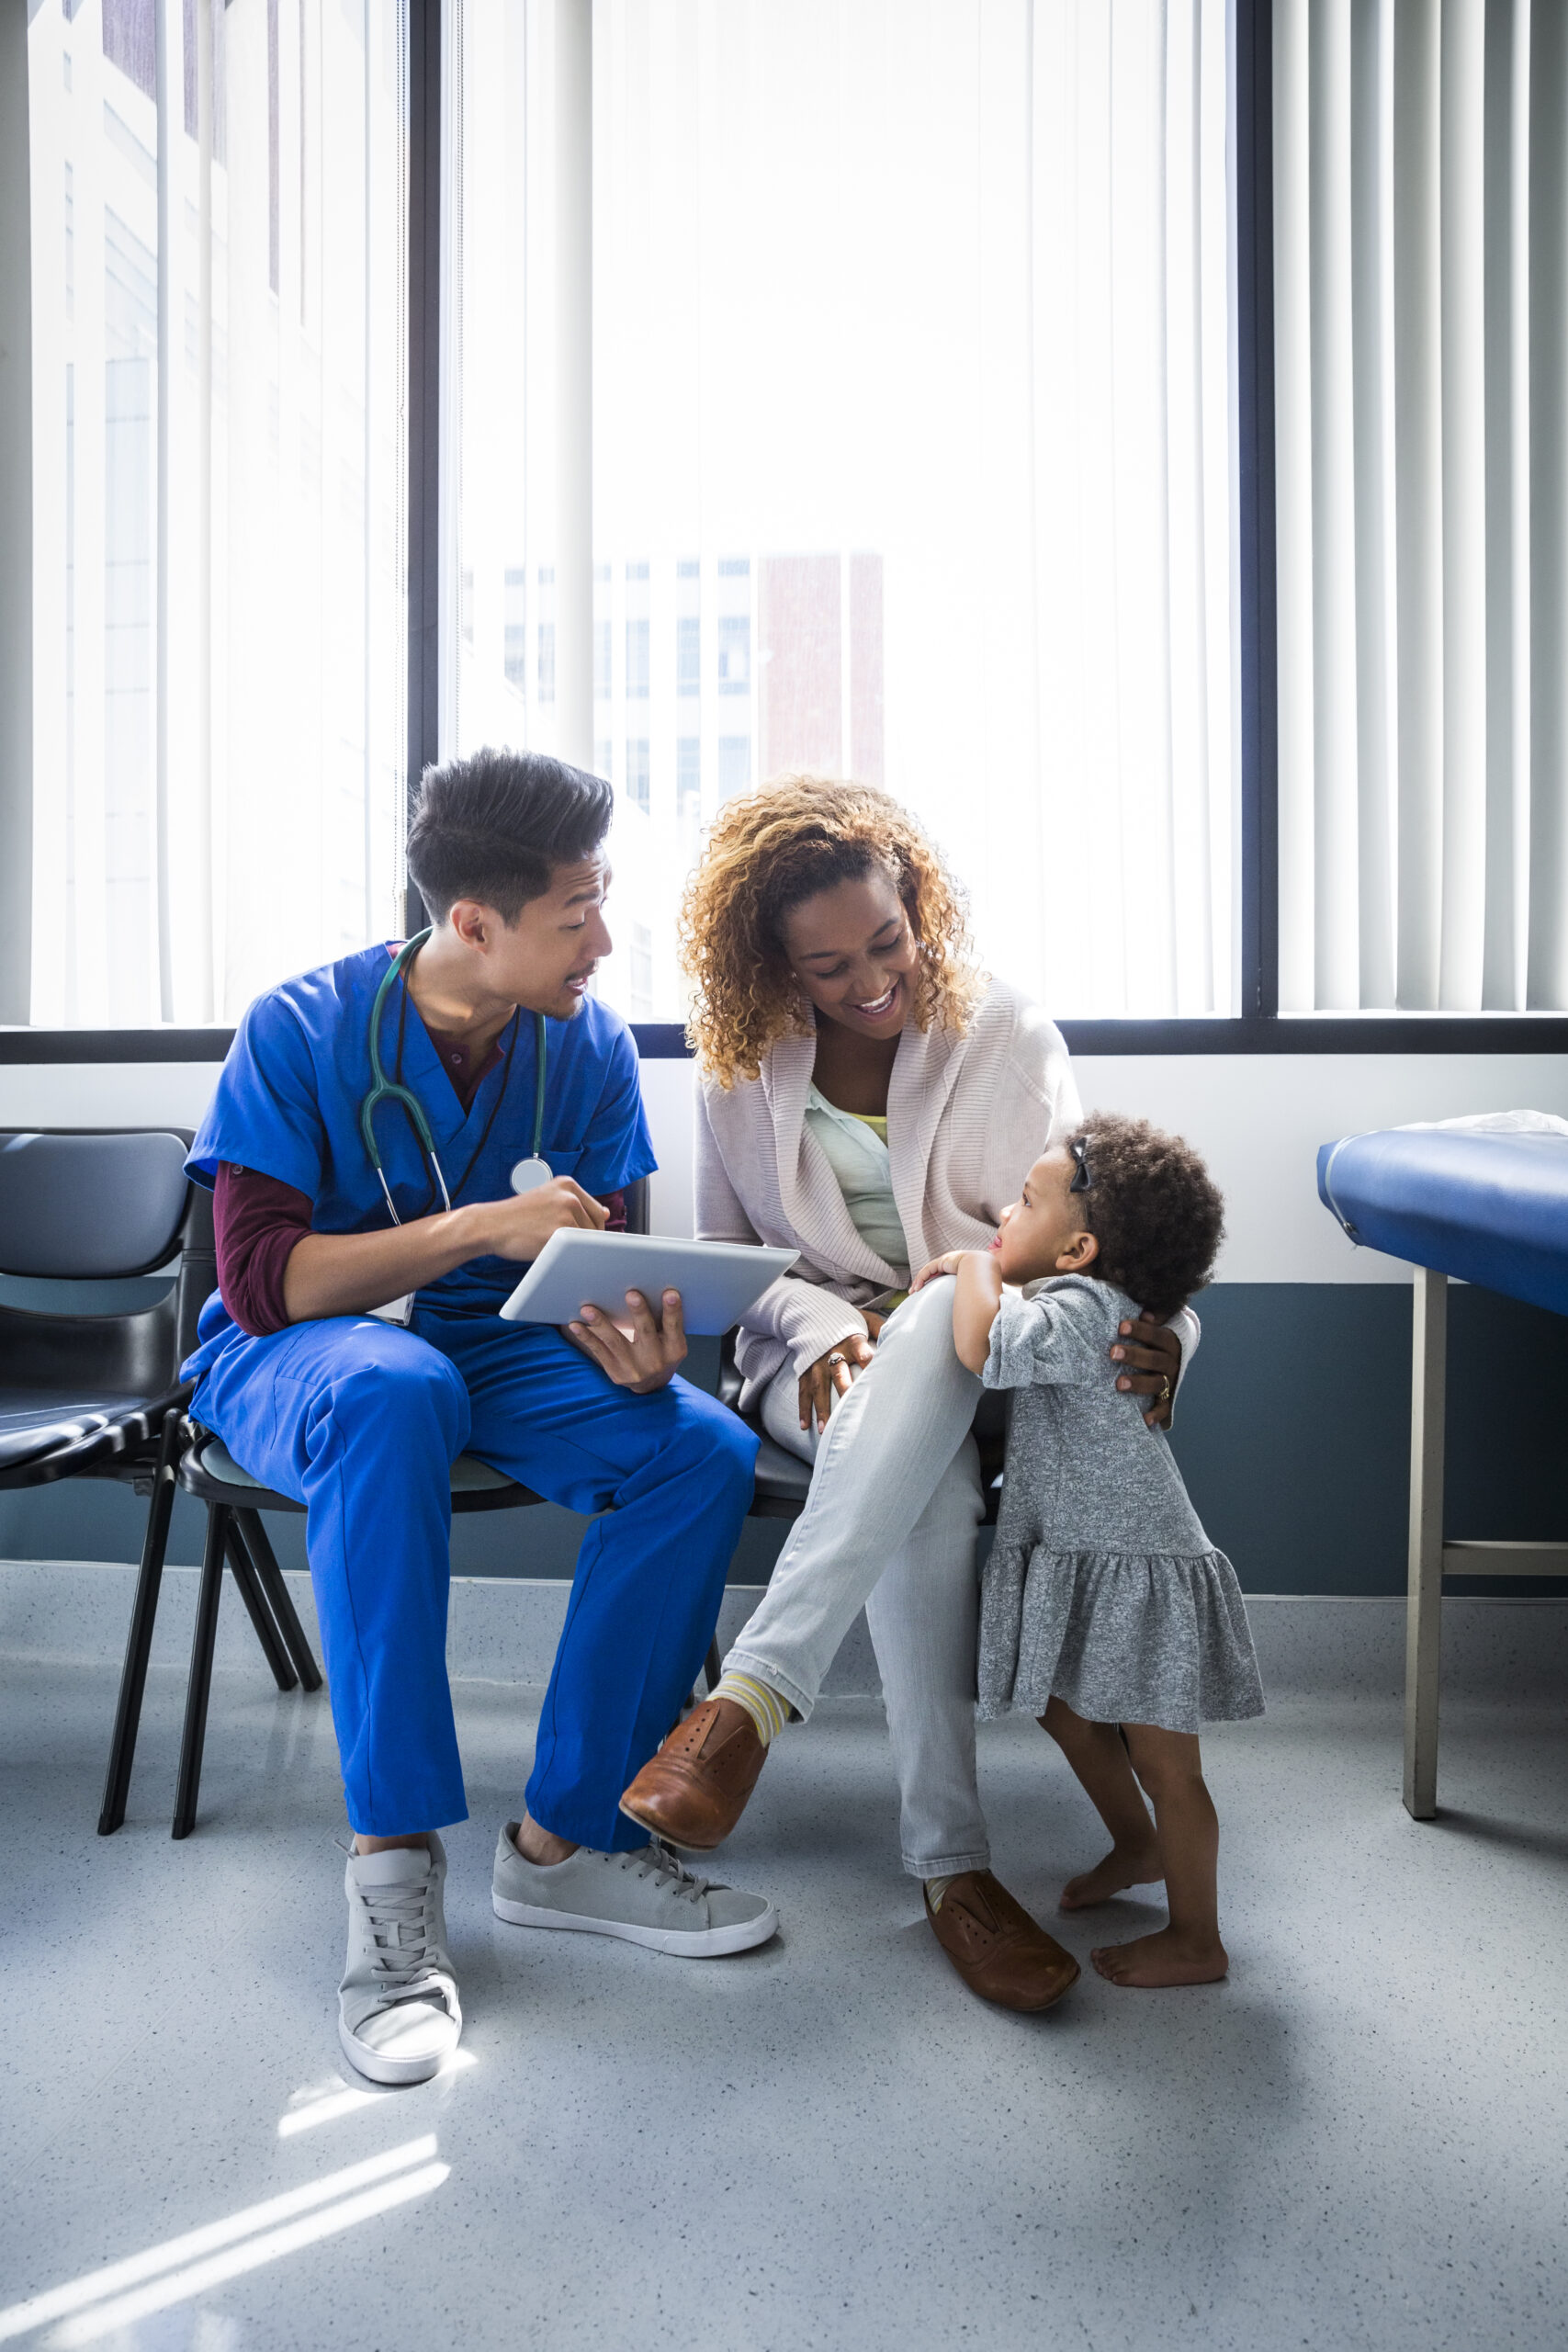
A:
x: 766, y: 1708
x: 936, y: 1888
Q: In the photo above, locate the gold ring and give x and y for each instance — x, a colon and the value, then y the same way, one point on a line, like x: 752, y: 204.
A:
x: 1164, y: 1390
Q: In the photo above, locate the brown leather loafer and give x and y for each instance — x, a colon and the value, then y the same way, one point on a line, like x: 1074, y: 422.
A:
x: 1001, y: 1952
x: 694, y: 1790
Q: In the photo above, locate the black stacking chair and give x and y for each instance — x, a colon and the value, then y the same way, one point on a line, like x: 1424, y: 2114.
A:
x: 234, y: 1503
x: 87, y: 1395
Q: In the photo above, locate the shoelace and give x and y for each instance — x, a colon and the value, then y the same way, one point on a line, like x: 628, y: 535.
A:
x: 657, y: 1861
x: 401, y: 1960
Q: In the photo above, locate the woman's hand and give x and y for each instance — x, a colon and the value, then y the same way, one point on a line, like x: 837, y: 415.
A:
x: 836, y: 1370
x: 948, y: 1263
x: 1152, y: 1364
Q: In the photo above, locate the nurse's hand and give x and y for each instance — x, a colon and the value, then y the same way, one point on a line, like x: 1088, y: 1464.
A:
x: 521, y: 1223
x: 353, y: 1274
x: 634, y: 1350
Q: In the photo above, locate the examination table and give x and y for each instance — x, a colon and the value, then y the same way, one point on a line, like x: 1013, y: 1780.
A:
x: 1490, y: 1208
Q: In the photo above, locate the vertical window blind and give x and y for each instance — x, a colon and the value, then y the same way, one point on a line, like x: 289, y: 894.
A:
x: 219, y: 275
x: 1421, y: 354
x: 912, y: 448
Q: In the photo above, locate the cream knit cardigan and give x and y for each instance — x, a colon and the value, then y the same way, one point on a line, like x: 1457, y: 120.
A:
x: 967, y: 1116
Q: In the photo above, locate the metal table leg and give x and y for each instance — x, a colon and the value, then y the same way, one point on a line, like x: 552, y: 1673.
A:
x: 1424, y: 1620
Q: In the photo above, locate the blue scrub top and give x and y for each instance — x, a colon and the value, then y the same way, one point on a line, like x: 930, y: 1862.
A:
x: 287, y: 1106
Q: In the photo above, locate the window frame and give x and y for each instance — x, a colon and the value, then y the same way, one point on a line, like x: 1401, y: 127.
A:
x: 1258, y: 1027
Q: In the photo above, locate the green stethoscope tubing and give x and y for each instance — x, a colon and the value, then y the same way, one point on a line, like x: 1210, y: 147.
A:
x: 391, y: 1090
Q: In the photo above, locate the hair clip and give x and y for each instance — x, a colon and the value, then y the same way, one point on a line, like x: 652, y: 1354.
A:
x: 1082, y: 1182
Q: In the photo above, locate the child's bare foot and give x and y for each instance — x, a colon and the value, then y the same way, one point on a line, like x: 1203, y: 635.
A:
x: 1124, y: 1865
x: 1163, y: 1959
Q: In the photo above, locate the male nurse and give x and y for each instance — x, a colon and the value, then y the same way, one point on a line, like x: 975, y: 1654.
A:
x: 354, y: 1349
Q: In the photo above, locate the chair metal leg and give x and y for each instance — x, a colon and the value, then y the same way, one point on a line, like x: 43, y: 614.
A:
x: 259, y: 1543
x: 200, y: 1686
x: 139, y: 1640
x: 1423, y: 1617
x: 712, y: 1668
x: 256, y: 1609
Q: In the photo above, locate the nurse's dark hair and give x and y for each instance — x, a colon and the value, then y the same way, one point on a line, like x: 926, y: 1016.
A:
x: 495, y: 825
x: 1152, y: 1205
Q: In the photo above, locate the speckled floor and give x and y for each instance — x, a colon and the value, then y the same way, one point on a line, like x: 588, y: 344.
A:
x: 1359, y: 2140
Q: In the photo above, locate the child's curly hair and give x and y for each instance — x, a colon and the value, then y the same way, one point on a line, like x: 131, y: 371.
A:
x: 1153, y: 1208
x: 768, y: 852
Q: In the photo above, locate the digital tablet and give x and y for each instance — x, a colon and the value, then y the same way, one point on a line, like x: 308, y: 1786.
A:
x: 718, y: 1280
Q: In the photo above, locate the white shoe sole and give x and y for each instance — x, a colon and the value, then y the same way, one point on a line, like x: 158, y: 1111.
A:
x: 376, y: 2067
x: 714, y: 1944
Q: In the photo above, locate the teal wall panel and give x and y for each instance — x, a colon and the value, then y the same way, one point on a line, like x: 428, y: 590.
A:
x: 1292, y: 1432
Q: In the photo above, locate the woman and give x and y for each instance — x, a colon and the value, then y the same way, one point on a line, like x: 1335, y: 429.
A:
x: 870, y: 1100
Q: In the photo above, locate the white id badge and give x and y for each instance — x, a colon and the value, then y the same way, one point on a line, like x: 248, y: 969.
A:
x: 396, y: 1310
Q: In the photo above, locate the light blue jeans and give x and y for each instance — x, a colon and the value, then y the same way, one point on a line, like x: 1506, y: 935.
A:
x: 890, y: 1527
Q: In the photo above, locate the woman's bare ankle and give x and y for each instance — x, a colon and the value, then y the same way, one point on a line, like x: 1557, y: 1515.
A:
x: 363, y: 1844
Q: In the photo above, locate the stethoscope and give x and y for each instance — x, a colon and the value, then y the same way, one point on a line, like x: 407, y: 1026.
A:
x: 527, y: 1173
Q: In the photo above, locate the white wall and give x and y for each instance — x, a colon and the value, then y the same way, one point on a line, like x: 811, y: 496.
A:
x: 1258, y: 1119
x: 1258, y: 1122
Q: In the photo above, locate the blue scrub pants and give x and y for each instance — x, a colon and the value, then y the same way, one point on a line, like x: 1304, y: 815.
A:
x: 360, y: 1421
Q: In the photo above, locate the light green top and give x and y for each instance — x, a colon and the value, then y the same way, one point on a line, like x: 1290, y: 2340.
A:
x: 855, y: 1144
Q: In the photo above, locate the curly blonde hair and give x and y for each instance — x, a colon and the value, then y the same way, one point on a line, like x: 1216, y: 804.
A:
x: 768, y: 852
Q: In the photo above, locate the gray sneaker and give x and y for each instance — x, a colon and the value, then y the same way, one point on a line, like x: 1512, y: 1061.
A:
x: 644, y: 1897
x: 399, y: 2014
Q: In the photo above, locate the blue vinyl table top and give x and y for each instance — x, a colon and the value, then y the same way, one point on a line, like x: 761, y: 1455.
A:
x: 1491, y: 1209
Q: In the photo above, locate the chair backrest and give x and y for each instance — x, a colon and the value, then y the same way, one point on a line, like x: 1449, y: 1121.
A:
x: 79, y: 1206
x: 636, y: 1196
x: 75, y: 1205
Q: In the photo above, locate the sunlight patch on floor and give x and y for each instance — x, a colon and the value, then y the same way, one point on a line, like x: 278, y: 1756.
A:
x: 93, y: 2306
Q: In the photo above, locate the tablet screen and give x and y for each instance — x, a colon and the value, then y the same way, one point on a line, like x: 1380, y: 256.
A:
x: 718, y: 1280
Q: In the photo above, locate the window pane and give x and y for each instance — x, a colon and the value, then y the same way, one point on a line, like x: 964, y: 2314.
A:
x: 688, y: 654
x: 1421, y: 408
x: 219, y: 614
x: 912, y: 453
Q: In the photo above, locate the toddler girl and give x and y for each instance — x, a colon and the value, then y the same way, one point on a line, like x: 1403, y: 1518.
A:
x: 1105, y: 1609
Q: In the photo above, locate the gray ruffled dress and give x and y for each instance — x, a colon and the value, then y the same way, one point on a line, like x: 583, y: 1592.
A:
x: 1101, y: 1585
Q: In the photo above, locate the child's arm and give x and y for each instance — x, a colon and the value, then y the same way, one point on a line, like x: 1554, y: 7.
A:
x: 974, y: 1307
x: 978, y: 1295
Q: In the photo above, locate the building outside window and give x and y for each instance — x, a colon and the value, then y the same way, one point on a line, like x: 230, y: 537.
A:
x: 220, y: 623
x: 636, y: 659
x: 689, y: 777
x: 637, y: 775
x: 688, y: 654
x: 734, y: 764
x: 734, y: 653
x: 516, y: 639
x: 640, y: 974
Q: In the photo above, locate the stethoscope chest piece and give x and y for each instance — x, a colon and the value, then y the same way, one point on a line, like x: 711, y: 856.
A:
x: 529, y: 1174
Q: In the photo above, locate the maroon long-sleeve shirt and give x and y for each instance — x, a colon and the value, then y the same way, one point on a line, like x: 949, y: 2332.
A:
x: 258, y: 1221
